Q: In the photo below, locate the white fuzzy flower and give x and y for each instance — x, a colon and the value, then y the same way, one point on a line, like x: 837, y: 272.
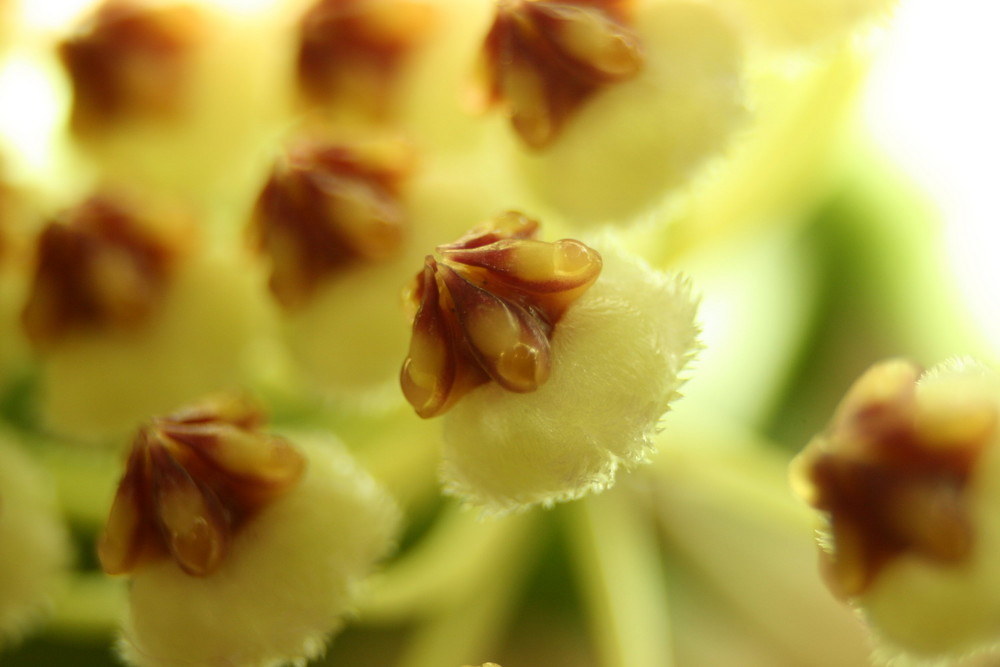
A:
x: 618, y: 355
x: 33, y: 542
x: 542, y: 408
x: 262, y: 582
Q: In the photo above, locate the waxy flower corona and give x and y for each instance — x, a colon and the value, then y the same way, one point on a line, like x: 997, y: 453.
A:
x: 487, y: 310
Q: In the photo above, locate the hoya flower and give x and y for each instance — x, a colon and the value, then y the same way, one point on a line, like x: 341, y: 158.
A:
x: 34, y: 546
x: 613, y: 103
x: 242, y: 548
x: 123, y: 295
x: 906, y: 477
x: 553, y: 361
x: 340, y: 222
x: 161, y: 96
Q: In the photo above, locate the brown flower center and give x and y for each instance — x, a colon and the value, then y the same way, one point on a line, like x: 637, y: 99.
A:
x: 129, y: 61
x: 487, y: 309
x: 543, y: 59
x: 327, y: 207
x: 892, y: 476
x: 97, y: 267
x: 191, y: 480
x: 351, y: 51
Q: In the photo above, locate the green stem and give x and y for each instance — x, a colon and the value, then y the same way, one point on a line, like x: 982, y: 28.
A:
x: 618, y: 563
x: 470, y: 630
x: 451, y: 563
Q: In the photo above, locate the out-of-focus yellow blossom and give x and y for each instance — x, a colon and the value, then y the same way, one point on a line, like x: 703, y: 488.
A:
x: 637, y: 139
x: 619, y: 355
x: 123, y: 293
x: 905, y: 478
x: 162, y: 97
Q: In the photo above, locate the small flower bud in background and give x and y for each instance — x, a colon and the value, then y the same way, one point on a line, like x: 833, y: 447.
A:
x: 906, y: 477
x: 554, y: 363
x: 248, y: 546
x: 34, y: 545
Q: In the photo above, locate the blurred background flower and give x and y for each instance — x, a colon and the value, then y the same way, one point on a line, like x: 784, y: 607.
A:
x: 825, y: 183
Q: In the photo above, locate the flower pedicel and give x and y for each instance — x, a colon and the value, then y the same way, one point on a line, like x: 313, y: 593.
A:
x: 244, y: 544
x: 906, y: 477
x: 553, y: 362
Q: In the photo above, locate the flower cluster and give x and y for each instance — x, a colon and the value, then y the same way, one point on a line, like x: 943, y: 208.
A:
x: 297, y: 284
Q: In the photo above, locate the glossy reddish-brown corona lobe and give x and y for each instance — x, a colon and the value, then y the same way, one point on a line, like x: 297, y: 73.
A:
x: 351, y: 51
x: 326, y: 207
x: 486, y: 311
x: 891, y: 481
x: 543, y: 59
x: 128, y: 61
x: 192, y: 480
x: 98, y: 266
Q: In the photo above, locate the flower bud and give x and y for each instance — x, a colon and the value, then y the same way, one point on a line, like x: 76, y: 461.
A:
x: 247, y: 546
x: 905, y: 476
x: 34, y: 545
x: 554, y: 363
